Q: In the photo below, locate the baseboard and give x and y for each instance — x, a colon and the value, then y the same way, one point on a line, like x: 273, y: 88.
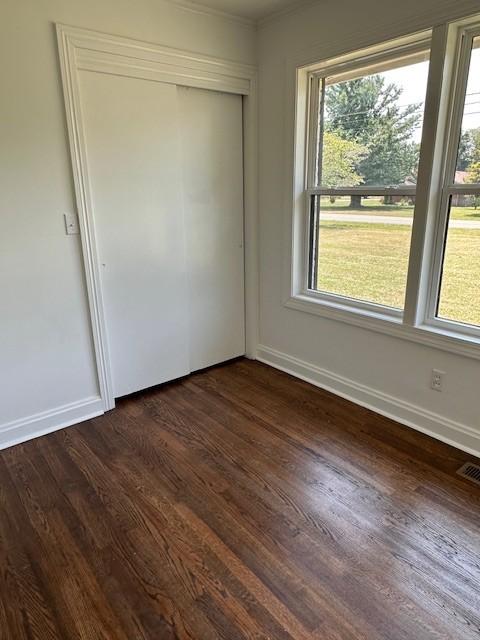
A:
x: 453, y: 433
x: 40, y: 424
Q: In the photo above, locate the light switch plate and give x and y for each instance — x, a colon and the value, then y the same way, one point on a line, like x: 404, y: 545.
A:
x: 71, y: 224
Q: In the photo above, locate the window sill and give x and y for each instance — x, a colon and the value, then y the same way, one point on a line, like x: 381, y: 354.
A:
x: 426, y: 335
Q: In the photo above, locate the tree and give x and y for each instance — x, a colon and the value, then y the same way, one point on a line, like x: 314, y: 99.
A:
x: 367, y: 111
x: 469, y: 149
x: 465, y: 149
x: 340, y: 157
x: 473, y: 177
x: 475, y: 136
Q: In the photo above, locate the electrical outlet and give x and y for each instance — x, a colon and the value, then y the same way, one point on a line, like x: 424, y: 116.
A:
x: 437, y: 380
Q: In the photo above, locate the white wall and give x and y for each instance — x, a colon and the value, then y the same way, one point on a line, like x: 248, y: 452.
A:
x: 389, y: 374
x: 47, y: 372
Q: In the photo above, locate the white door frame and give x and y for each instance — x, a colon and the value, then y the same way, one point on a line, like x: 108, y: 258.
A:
x: 81, y: 49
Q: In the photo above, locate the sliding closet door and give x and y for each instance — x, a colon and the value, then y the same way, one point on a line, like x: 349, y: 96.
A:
x: 165, y: 166
x: 212, y: 160
x: 132, y: 139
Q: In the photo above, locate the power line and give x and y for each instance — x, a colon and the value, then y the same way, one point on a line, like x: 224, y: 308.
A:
x: 358, y: 114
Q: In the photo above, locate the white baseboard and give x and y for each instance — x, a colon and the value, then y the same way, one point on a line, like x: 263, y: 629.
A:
x: 453, y: 433
x: 42, y: 423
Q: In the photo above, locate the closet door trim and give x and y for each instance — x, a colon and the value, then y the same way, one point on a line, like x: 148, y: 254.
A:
x: 81, y: 49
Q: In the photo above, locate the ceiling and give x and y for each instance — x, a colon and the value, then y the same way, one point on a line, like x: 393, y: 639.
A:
x: 249, y: 9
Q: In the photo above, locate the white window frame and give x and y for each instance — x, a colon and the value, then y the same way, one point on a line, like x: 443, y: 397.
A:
x: 403, y: 49
x: 465, y: 37
x: 417, y: 321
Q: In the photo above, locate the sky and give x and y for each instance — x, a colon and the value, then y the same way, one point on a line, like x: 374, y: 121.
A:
x: 471, y: 117
x: 413, y: 80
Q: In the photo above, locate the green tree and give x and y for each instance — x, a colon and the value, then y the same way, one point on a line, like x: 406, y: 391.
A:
x: 465, y: 149
x: 473, y: 177
x: 340, y: 157
x: 469, y: 149
x: 368, y: 111
x: 475, y: 135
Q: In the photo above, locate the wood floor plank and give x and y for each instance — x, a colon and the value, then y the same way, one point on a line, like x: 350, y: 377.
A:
x: 302, y: 550
x: 238, y: 503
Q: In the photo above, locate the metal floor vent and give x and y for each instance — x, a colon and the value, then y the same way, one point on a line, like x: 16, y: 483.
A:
x: 470, y: 471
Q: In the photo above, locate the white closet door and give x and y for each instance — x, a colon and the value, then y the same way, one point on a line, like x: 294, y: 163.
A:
x: 212, y: 159
x: 132, y: 137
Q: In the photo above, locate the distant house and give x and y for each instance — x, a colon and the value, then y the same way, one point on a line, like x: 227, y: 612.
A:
x: 460, y: 200
x: 409, y: 182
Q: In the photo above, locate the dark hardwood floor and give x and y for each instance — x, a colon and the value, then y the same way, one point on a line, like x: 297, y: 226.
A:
x: 238, y: 503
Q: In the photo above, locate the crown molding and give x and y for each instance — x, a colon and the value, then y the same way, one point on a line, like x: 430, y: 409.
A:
x: 446, y: 10
x: 201, y: 9
x: 451, y: 9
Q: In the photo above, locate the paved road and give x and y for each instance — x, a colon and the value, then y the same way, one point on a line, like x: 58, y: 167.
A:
x: 359, y: 217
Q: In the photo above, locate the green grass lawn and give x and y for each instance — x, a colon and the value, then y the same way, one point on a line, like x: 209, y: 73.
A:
x: 374, y: 206
x: 370, y: 261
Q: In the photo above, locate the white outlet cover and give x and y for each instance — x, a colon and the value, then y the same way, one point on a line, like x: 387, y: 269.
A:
x: 71, y: 224
x: 437, y: 379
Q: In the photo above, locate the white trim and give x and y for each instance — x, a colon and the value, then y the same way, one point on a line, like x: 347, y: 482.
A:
x: 105, y: 53
x: 446, y: 10
x: 344, y: 303
x: 297, y: 278
x: 152, y: 70
x: 251, y: 229
x: 135, y: 58
x: 461, y: 37
x: 425, y: 335
x: 66, y: 48
x: 449, y: 431
x: 444, y: 335
x: 45, y: 422
x: 472, y: 189
x: 296, y: 110
x: 401, y: 52
x: 427, y: 201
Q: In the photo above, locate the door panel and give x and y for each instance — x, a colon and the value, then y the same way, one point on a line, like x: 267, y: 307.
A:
x: 212, y: 161
x: 132, y: 138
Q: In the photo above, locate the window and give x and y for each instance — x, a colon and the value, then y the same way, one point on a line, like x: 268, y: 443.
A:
x: 390, y: 227
x: 365, y: 164
x: 458, y: 291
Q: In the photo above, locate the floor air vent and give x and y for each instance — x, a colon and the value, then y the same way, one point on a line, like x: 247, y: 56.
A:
x: 470, y: 471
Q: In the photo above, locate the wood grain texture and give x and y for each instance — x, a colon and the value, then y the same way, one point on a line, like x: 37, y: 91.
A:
x: 238, y: 503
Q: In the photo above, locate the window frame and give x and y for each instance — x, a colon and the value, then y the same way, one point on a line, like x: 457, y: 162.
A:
x: 316, y: 80
x: 448, y: 187
x: 415, y: 321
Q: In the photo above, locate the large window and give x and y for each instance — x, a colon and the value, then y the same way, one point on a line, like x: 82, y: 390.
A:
x: 367, y: 126
x: 457, y: 296
x: 373, y: 178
